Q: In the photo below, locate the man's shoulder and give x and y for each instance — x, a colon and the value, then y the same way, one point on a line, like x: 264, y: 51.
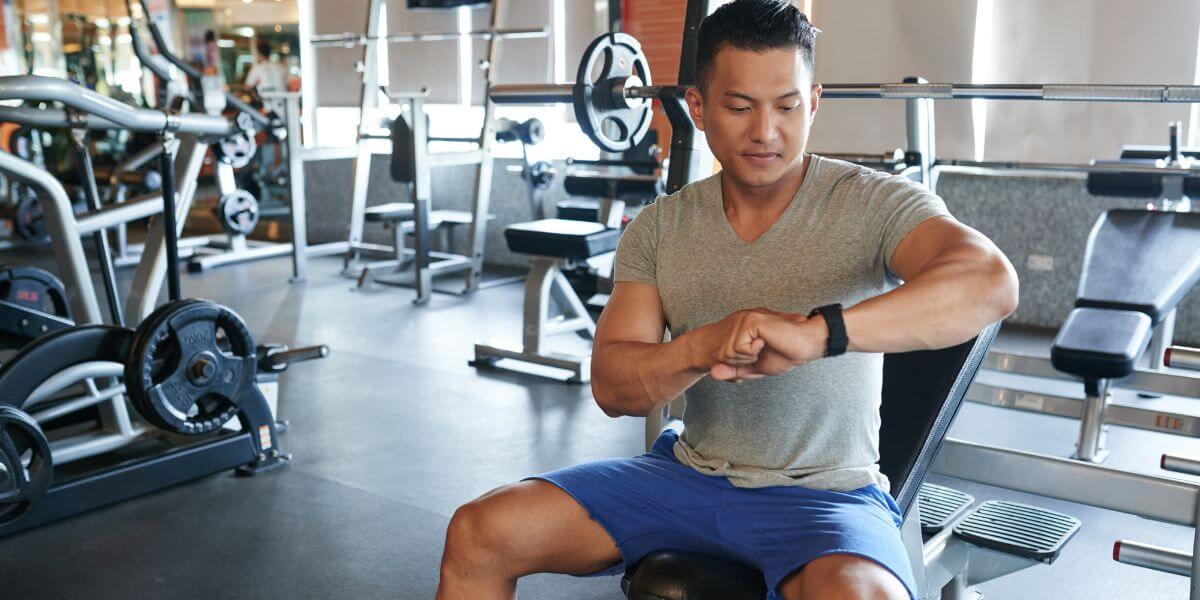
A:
x: 689, y: 197
x: 850, y: 178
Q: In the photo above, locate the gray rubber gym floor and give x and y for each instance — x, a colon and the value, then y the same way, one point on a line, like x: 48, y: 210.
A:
x: 394, y: 430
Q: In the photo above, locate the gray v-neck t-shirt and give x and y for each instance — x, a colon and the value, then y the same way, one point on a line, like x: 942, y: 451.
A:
x: 817, y: 425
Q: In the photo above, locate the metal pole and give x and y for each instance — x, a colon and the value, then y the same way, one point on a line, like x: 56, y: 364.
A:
x: 481, y: 204
x: 103, y: 252
x: 297, y: 200
x: 170, y: 235
x: 1184, y: 94
x: 368, y: 102
x: 1091, y: 426
x: 422, y: 192
x: 1194, y: 584
x: 918, y: 129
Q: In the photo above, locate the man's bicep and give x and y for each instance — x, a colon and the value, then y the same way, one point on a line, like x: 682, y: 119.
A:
x: 634, y: 313
x: 933, y: 240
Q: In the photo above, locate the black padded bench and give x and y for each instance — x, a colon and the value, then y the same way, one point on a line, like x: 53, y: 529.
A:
x: 561, y: 238
x: 604, y: 185
x: 591, y: 186
x: 551, y: 243
x: 1137, y: 267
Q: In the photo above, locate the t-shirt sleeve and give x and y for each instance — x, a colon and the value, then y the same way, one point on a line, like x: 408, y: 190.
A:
x: 253, y: 77
x: 637, y: 252
x: 895, y: 207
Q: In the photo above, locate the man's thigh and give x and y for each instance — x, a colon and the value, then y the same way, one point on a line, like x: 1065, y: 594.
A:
x: 538, y: 527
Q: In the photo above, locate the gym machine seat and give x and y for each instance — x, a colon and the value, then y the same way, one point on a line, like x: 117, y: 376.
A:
x: 552, y: 243
x: 579, y: 209
x: 389, y: 212
x: 561, y: 238
x: 922, y: 392
x: 643, y: 188
x: 1137, y: 266
x: 1100, y: 343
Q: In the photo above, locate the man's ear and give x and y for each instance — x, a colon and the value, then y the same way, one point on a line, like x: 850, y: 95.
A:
x: 815, y: 102
x: 695, y: 106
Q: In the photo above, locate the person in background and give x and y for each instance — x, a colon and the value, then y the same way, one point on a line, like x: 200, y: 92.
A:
x: 267, y: 76
x: 212, y: 56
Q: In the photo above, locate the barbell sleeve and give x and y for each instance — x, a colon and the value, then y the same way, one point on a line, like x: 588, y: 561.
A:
x: 544, y: 93
x: 1182, y: 357
x: 1179, y: 464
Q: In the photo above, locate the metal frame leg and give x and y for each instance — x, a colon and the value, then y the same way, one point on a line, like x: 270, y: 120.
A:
x: 537, y: 324
x: 1194, y: 584
x: 1091, y: 425
x: 1164, y: 335
x: 297, y: 200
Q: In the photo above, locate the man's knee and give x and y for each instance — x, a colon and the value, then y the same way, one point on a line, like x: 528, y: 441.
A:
x: 843, y: 576
x: 479, y: 532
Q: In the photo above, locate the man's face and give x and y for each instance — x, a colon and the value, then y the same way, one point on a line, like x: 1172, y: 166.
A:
x: 756, y: 113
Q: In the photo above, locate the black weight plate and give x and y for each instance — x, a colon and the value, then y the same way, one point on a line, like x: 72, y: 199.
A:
x: 181, y: 373
x: 25, y: 464
x: 153, y: 321
x: 237, y: 150
x: 612, y: 122
x: 238, y: 212
x: 30, y: 222
x: 34, y: 288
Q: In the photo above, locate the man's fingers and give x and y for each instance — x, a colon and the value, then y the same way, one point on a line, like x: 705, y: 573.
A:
x: 723, y: 372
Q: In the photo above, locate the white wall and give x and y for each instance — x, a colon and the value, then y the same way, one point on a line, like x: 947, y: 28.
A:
x: 1088, y: 41
x: 870, y: 41
x: 1035, y: 41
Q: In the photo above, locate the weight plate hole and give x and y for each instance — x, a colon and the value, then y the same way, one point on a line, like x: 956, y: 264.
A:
x: 614, y: 129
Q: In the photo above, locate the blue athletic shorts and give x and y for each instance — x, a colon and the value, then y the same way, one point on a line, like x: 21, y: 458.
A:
x: 653, y: 502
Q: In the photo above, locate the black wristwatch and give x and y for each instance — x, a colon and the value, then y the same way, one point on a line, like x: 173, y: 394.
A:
x: 838, y: 341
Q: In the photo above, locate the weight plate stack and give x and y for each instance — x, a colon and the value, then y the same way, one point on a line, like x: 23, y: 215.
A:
x: 34, y: 288
x: 189, y: 364
x: 25, y: 464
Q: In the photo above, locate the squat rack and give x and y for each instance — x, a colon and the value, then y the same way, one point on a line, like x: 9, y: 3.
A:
x: 427, y: 265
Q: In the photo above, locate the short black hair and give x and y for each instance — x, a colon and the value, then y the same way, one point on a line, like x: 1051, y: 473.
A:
x: 264, y: 49
x: 754, y: 25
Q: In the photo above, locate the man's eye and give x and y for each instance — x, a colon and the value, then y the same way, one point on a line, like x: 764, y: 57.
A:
x: 789, y: 108
x: 739, y: 109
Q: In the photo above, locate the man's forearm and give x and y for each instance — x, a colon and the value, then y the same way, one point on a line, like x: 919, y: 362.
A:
x: 636, y: 378
x: 945, y: 305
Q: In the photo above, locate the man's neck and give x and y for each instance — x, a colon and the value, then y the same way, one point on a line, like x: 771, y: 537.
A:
x: 773, y: 199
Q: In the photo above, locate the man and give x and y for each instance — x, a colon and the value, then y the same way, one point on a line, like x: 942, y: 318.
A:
x: 267, y: 76
x: 776, y: 466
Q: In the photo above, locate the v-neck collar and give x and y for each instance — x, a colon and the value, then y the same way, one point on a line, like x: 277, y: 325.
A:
x: 804, y: 185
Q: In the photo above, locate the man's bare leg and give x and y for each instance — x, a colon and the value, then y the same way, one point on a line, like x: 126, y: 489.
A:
x: 529, y: 527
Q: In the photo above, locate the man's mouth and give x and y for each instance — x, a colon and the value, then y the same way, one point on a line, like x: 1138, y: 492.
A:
x: 760, y: 157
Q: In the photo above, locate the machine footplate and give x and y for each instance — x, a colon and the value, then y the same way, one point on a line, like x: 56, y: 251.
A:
x: 1018, y: 529
x: 940, y: 506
